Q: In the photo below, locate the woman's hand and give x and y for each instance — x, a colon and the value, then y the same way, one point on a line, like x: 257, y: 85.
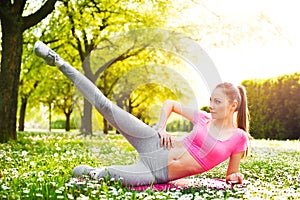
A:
x: 235, y: 178
x: 166, y: 140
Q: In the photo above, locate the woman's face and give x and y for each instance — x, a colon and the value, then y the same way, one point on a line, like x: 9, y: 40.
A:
x: 219, y: 106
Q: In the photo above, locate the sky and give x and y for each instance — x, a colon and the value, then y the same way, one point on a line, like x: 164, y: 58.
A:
x: 270, y: 50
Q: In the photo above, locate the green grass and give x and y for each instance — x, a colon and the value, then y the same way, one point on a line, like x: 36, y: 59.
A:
x: 39, y: 166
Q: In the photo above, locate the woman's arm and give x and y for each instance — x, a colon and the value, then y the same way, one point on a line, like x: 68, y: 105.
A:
x: 233, y: 175
x: 170, y: 106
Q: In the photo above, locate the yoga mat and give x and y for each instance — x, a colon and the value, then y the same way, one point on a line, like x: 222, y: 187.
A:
x: 187, y: 183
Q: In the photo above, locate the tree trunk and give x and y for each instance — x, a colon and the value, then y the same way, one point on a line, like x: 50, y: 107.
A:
x: 24, y: 100
x: 22, y: 113
x: 105, y: 126
x: 86, y: 121
x: 50, y: 116
x: 12, y: 40
x: 68, y: 115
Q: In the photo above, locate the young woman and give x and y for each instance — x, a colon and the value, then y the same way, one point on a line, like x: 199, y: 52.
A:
x: 214, y: 138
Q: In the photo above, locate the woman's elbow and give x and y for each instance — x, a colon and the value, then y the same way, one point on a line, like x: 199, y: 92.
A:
x: 169, y: 103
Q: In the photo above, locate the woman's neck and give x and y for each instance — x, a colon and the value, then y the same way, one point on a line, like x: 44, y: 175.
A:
x: 226, y: 123
x: 222, y: 129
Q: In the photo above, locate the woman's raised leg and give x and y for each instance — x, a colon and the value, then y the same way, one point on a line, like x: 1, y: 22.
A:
x: 135, y: 131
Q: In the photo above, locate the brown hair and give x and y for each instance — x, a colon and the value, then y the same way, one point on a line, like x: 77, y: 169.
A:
x: 239, y: 94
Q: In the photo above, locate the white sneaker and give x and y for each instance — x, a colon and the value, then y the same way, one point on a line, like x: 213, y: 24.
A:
x: 98, y: 173
x: 50, y: 57
x: 94, y: 173
x: 82, y: 170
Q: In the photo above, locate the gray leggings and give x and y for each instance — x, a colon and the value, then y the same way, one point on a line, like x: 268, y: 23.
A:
x: 153, y: 164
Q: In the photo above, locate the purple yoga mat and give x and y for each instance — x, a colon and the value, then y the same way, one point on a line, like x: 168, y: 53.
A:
x: 186, y: 183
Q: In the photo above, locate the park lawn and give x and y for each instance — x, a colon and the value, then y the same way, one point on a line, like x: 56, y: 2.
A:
x: 39, y: 166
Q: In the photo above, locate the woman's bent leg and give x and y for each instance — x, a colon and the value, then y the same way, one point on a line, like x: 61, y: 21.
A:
x: 136, y: 174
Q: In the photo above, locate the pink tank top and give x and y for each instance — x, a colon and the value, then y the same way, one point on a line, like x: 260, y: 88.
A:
x: 206, y: 149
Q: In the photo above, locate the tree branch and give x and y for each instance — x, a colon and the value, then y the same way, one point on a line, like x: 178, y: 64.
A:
x: 19, y: 6
x: 121, y: 57
x: 39, y: 15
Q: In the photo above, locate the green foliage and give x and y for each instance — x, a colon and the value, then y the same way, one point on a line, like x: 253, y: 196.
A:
x: 274, y: 107
x: 205, y: 108
x: 183, y: 125
x: 39, y: 166
x: 180, y: 126
x: 145, y: 79
x: 61, y: 124
x: 76, y: 28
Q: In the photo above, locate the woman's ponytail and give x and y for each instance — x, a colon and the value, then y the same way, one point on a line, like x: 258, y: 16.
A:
x: 243, y: 115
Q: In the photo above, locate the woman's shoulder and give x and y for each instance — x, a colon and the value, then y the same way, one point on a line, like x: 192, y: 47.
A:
x: 240, y: 141
x: 243, y: 135
x: 241, y: 131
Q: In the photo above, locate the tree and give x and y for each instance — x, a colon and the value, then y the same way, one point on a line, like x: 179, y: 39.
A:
x: 30, y: 78
x: 153, y: 66
x: 13, y: 23
x: 48, y: 94
x: 147, y: 87
x: 91, y: 22
x: 64, y: 100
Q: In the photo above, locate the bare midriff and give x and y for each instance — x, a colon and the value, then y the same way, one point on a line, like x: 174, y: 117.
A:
x: 181, y: 163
